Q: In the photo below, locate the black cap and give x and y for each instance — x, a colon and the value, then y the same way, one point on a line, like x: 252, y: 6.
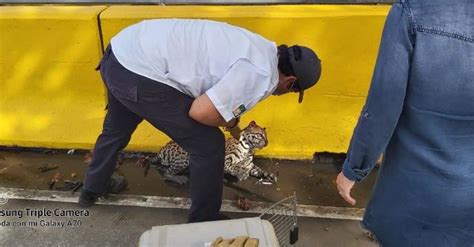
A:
x: 306, y: 66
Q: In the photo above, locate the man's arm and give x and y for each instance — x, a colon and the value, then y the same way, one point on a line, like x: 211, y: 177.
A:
x: 203, y: 111
x: 239, y: 89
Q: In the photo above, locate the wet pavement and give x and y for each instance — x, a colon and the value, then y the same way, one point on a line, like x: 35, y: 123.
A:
x: 312, y: 180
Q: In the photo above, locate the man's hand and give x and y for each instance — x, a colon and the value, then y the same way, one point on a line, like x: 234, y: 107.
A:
x: 235, y: 132
x: 344, y: 186
x: 234, y: 123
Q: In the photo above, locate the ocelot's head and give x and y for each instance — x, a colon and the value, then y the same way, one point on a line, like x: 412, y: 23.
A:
x: 255, y: 135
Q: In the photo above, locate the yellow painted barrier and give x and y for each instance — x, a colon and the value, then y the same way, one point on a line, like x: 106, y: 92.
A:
x: 50, y: 95
x: 345, y: 37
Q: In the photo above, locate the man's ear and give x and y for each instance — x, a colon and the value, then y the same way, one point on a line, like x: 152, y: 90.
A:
x: 291, y: 79
x: 288, y: 80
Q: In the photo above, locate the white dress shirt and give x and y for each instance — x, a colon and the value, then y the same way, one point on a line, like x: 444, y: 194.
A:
x: 233, y: 66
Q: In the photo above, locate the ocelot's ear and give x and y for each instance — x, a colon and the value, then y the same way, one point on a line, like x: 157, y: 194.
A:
x: 252, y: 124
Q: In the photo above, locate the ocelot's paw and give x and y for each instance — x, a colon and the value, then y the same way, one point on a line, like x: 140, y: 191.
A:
x: 269, y: 177
x: 177, y: 179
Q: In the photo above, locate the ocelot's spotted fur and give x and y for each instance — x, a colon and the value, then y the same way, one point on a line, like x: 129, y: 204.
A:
x: 172, y: 161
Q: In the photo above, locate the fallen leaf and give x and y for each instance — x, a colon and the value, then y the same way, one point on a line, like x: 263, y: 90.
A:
x: 88, y: 158
x: 57, y: 177
x: 242, y: 203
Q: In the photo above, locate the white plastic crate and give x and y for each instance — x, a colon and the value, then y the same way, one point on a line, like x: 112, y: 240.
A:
x: 202, y: 234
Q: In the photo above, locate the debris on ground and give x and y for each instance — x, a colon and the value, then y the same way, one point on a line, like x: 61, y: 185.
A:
x: 71, y: 151
x: 55, y: 179
x: 147, y: 167
x: 326, y: 229
x: 72, y: 186
x: 46, y: 168
x: 73, y: 175
x: 242, y: 203
x: 88, y: 158
x: 77, y: 187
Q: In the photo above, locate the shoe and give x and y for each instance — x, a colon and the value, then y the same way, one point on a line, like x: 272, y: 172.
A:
x: 87, y: 198
x: 116, y: 185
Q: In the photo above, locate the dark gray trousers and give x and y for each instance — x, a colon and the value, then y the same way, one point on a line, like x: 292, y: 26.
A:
x: 132, y: 98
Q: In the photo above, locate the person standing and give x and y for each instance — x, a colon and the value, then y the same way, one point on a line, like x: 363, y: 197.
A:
x: 420, y: 113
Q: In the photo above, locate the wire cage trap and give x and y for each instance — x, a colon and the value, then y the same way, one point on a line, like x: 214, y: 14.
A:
x: 282, y: 215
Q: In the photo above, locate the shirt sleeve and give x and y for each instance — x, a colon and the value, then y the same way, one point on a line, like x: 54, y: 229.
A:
x: 384, y: 104
x: 240, y: 89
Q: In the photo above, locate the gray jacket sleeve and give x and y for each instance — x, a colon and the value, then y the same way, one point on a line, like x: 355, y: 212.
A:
x: 384, y: 104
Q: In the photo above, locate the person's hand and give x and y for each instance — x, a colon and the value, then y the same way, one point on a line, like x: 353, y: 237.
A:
x: 234, y: 129
x: 234, y: 132
x: 234, y: 123
x: 344, y: 186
